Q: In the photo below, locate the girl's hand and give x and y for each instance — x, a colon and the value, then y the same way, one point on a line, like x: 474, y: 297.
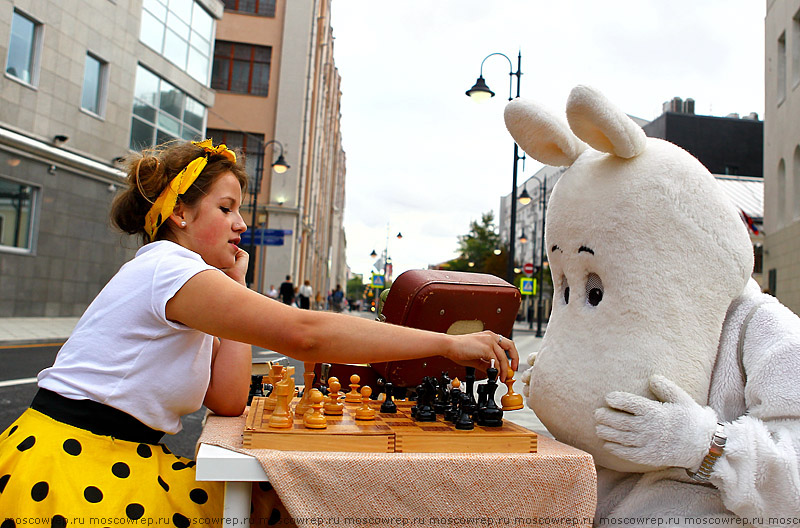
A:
x: 239, y: 269
x: 478, y: 349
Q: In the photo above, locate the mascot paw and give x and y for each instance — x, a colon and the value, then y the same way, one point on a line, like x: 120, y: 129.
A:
x: 670, y: 431
x: 532, y: 358
x: 526, y: 380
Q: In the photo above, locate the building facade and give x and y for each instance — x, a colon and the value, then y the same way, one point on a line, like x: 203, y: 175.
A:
x: 782, y: 151
x: 278, y: 93
x: 85, y: 81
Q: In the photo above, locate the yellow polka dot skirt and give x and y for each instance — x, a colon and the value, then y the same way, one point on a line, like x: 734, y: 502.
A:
x: 54, y: 474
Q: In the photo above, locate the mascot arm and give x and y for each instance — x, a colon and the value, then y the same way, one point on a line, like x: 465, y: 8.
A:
x: 759, y: 472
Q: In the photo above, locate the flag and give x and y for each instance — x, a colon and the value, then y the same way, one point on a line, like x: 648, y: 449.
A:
x: 750, y: 223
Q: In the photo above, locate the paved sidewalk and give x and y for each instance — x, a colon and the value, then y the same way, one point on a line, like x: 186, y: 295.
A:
x: 35, y: 330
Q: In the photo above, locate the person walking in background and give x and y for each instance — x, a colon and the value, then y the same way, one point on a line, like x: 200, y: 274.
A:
x: 336, y: 298
x: 305, y: 294
x: 287, y: 291
x: 272, y: 293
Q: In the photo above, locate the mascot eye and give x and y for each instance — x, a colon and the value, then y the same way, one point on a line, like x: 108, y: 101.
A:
x: 594, y: 289
x: 566, y: 290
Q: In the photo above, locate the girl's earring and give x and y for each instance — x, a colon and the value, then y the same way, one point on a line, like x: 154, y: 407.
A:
x: 183, y: 224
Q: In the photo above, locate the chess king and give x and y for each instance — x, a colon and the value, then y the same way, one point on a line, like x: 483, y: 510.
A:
x: 640, y: 364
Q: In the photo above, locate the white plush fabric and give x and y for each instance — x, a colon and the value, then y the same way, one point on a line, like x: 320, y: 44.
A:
x: 647, y: 257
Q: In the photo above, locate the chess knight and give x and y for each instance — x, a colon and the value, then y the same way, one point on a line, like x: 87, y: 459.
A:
x: 662, y: 357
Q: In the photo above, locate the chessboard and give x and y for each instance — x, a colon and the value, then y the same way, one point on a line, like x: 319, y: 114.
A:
x: 387, y: 433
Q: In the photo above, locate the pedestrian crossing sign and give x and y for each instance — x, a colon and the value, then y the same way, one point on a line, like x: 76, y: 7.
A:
x: 378, y: 280
x: 527, y: 286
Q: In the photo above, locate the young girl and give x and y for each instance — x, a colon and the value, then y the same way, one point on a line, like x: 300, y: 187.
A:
x: 170, y: 332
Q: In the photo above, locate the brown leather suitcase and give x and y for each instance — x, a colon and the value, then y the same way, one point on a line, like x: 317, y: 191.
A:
x: 449, y: 302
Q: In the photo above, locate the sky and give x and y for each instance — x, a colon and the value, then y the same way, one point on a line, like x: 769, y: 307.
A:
x: 425, y: 160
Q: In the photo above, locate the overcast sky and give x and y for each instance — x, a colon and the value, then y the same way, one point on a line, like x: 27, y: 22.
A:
x: 426, y: 160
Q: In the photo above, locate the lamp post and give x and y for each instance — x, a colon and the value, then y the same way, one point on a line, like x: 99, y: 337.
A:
x: 481, y: 92
x: 279, y: 166
x: 386, y: 260
x: 525, y: 198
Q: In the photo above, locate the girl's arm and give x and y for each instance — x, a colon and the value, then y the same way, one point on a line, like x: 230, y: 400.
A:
x: 230, y: 377
x: 215, y: 304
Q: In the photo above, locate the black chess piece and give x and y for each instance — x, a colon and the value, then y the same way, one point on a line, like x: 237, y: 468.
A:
x: 481, y: 397
x: 388, y: 406
x: 442, y: 400
x: 490, y: 415
x: 452, y: 412
x: 424, y: 408
x: 324, y: 372
x: 471, y: 405
x: 256, y: 387
x: 464, y: 421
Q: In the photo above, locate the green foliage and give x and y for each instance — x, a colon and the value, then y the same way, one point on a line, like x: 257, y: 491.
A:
x: 355, y: 287
x: 478, y: 246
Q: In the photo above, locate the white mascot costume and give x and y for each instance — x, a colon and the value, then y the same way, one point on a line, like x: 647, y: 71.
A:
x: 662, y: 357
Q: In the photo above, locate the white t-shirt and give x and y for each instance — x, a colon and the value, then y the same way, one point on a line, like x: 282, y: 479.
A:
x: 306, y: 291
x: 124, y: 353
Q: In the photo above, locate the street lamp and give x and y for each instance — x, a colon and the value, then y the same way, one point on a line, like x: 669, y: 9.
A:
x: 525, y: 198
x: 279, y: 166
x: 481, y: 92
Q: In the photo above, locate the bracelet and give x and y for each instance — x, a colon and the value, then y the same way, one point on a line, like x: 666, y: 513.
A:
x: 714, y: 452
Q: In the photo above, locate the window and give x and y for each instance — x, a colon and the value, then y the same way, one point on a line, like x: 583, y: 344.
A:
x: 23, y: 48
x: 255, y: 7
x: 162, y: 112
x: 781, y: 194
x: 241, y: 68
x: 181, y: 31
x: 250, y: 144
x: 796, y: 49
x: 16, y: 214
x: 758, y: 258
x: 781, y: 68
x: 94, y: 85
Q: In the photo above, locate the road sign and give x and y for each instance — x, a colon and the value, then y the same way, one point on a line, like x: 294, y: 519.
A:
x: 527, y: 286
x: 264, y: 237
x: 378, y: 280
x: 528, y: 268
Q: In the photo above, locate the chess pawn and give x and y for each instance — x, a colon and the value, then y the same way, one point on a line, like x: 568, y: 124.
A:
x: 281, y: 417
x: 305, y: 402
x: 464, y: 421
x: 314, y: 419
x: 511, y: 401
x: 365, y: 412
x: 332, y: 405
x: 256, y: 387
x: 275, y: 375
x: 354, y: 396
x: 471, y: 405
x: 388, y: 406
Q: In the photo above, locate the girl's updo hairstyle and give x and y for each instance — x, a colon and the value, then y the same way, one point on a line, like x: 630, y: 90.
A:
x: 149, y: 173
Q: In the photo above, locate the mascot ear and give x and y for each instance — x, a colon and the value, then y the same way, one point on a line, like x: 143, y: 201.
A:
x: 602, y: 125
x: 543, y: 135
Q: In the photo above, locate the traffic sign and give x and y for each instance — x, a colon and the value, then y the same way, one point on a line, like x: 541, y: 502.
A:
x: 378, y: 280
x: 528, y: 268
x: 527, y: 286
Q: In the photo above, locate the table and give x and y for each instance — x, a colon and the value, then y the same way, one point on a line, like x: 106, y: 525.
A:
x: 559, y: 482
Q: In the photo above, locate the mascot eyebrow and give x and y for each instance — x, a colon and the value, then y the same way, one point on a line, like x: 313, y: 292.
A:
x: 586, y: 249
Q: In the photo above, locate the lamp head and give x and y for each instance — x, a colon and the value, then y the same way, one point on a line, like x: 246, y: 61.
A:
x: 523, y: 238
x: 399, y: 235
x: 497, y: 251
x: 480, y: 92
x: 373, y: 254
x: 524, y: 198
x: 280, y: 166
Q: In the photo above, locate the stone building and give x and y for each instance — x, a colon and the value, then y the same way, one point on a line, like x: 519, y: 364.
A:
x: 782, y: 151
x: 278, y: 94
x: 83, y: 82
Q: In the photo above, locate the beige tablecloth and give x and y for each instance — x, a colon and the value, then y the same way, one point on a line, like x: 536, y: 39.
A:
x: 555, y: 486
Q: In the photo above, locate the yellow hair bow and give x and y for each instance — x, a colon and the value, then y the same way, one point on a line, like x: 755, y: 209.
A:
x: 165, y: 203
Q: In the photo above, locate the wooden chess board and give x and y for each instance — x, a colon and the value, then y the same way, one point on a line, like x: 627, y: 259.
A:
x: 388, y: 433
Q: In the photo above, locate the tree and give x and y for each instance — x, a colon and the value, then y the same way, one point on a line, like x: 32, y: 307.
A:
x: 355, y: 287
x: 478, y: 247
